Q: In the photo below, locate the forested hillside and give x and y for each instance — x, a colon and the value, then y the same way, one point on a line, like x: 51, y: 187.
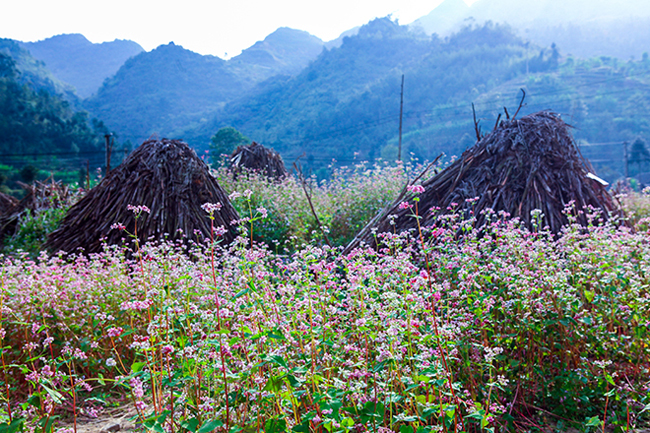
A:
x: 164, y: 89
x: 35, y: 73
x: 347, y: 101
x: 39, y: 130
x: 343, y: 104
x: 171, y: 88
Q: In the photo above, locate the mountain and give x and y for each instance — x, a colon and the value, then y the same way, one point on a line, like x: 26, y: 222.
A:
x: 35, y: 73
x: 346, y: 102
x: 38, y: 128
x: 584, y: 28
x: 75, y: 60
x: 444, y: 19
x: 166, y: 88
x: 170, y: 88
x: 285, y: 51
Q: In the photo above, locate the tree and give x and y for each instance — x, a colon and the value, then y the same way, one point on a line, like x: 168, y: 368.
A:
x: 7, y: 67
x: 639, y: 154
x: 225, y: 141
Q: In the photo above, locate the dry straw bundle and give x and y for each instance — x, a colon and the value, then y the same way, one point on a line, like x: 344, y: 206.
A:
x: 167, y: 177
x: 7, y: 203
x: 38, y: 196
x: 523, y: 165
x: 258, y: 158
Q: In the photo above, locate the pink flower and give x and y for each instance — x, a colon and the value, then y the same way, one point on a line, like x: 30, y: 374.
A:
x: 138, y: 209
x: 404, y: 205
x: 167, y: 349
x: 417, y: 189
x: 118, y: 226
x: 219, y: 231
x: 115, y: 332
x: 211, y: 207
x: 136, y: 387
x: 262, y: 211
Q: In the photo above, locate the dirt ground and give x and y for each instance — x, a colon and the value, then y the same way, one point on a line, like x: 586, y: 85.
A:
x: 110, y: 420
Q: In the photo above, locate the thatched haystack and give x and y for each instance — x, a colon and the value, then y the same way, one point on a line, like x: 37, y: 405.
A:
x: 167, y: 177
x: 258, y: 158
x: 7, y: 203
x: 38, y: 197
x: 524, y: 164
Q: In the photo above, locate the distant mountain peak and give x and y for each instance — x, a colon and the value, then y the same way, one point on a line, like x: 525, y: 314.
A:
x: 75, y: 60
x: 285, y: 51
x: 444, y: 18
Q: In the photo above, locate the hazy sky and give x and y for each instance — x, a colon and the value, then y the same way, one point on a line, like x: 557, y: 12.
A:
x: 206, y: 27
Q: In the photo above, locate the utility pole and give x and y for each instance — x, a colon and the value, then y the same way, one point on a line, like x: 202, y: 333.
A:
x: 401, y: 111
x: 627, y: 160
x: 108, y: 152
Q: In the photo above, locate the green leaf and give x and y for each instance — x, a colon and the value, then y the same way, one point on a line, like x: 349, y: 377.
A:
x: 190, y: 424
x: 209, y: 426
x: 47, y: 422
x: 275, y: 425
x: 55, y: 395
x: 276, y: 334
x: 241, y: 293
x: 137, y: 366
x: 278, y: 360
x: 594, y: 421
x: 589, y: 295
x: 15, y: 426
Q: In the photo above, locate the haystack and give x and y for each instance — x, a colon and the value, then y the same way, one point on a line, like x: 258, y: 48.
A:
x: 525, y: 164
x: 7, y: 203
x: 38, y: 197
x: 167, y: 177
x: 258, y: 158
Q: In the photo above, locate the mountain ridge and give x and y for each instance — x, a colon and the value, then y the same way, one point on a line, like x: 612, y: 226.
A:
x: 84, y: 65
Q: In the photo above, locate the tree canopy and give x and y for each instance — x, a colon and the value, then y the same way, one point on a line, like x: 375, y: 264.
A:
x: 225, y: 141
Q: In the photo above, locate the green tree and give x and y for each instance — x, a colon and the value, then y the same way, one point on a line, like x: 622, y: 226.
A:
x: 225, y: 141
x: 639, y: 154
x: 7, y: 66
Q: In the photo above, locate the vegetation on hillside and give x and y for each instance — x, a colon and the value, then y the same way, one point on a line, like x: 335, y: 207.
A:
x: 39, y: 130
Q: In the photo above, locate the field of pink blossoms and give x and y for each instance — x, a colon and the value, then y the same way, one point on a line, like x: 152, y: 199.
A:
x: 509, y: 330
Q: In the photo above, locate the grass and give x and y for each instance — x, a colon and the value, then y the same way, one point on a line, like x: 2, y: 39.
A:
x: 510, y: 330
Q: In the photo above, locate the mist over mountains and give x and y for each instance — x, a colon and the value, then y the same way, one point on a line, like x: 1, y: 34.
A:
x: 584, y: 28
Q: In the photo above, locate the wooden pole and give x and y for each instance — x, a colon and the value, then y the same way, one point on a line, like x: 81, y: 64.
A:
x: 627, y: 160
x: 401, y: 111
x: 108, y: 152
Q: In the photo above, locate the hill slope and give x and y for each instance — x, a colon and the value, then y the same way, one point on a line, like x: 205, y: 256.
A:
x: 347, y: 101
x: 285, y: 51
x: 158, y: 91
x: 34, y: 72
x: 169, y: 88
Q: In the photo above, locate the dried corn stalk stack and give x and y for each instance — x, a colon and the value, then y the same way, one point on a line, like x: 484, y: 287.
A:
x: 525, y: 164
x: 7, y: 203
x: 38, y: 197
x: 167, y: 177
x: 258, y: 158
